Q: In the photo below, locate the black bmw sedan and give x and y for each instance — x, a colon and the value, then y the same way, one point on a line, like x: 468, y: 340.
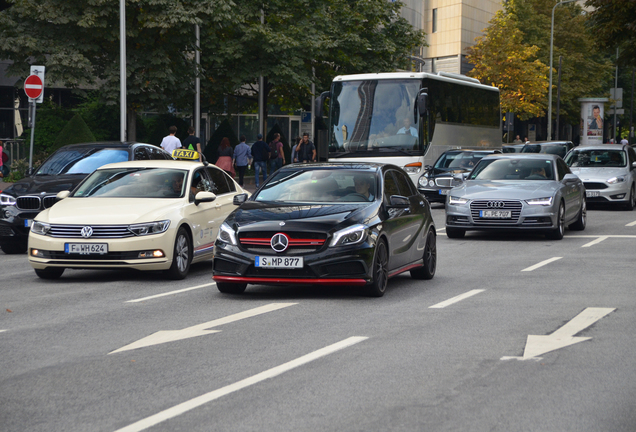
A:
x: 351, y: 224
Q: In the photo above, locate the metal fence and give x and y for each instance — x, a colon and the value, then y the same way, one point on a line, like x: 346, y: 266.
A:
x: 15, y: 149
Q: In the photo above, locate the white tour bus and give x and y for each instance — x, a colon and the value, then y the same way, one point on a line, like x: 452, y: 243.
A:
x: 408, y: 119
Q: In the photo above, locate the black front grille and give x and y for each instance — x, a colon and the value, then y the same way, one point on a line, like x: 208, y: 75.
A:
x: 6, y: 231
x: 99, y: 231
x: 278, y: 272
x: 28, y: 203
x: 479, y: 205
x: 48, y: 201
x: 591, y: 185
x: 225, y: 266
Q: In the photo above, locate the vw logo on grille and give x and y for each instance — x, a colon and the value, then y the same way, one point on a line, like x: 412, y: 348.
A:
x: 495, y: 204
x: 279, y: 242
x: 86, y: 232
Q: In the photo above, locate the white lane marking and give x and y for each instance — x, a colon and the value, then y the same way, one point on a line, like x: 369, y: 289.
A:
x: 541, y: 264
x: 596, y: 236
x: 597, y: 241
x: 456, y: 299
x: 223, y: 391
x: 2, y: 331
x: 171, y: 293
x: 631, y: 223
x: 164, y: 336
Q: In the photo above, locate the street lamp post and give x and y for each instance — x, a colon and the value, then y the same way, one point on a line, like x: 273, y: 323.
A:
x: 550, y: 87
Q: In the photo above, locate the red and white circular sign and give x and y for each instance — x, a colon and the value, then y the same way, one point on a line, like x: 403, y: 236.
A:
x: 33, y: 86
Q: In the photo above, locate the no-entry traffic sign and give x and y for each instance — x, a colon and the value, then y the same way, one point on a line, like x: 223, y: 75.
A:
x: 33, y: 86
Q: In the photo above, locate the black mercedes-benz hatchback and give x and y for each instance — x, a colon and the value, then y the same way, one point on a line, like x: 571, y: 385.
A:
x: 63, y: 170
x: 352, y: 224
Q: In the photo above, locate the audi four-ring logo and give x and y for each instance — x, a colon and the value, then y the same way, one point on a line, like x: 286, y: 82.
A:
x: 495, y: 204
x: 86, y: 232
x: 279, y: 242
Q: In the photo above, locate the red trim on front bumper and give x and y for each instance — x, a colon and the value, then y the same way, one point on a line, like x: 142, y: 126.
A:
x: 257, y: 280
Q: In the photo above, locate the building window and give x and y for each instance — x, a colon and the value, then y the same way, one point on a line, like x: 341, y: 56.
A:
x: 434, y: 21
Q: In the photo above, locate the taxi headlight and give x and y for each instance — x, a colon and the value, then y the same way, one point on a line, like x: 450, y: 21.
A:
x: 7, y: 199
x: 349, y: 236
x: 456, y: 200
x: 149, y: 228
x: 40, y: 228
x: 546, y: 201
x: 614, y: 180
x: 226, y: 234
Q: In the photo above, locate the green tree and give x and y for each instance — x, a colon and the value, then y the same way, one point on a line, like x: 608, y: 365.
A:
x: 76, y: 131
x: 613, y: 23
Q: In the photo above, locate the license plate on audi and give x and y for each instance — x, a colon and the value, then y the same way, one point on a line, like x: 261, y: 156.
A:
x: 278, y: 262
x: 495, y: 214
x: 86, y: 248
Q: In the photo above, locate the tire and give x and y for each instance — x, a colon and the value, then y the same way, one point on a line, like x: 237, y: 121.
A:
x: 181, y: 256
x: 430, y: 258
x: 50, y: 272
x: 581, y: 220
x: 380, y: 271
x: 455, y: 232
x: 629, y: 206
x: 231, y: 288
x: 559, y: 231
x: 13, y: 248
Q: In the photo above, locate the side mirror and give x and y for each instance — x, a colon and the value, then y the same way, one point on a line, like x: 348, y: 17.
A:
x: 320, y: 103
x: 422, y: 102
x: 204, y: 197
x: 61, y: 195
x: 239, y: 199
x: 398, y: 201
x: 570, y: 178
x: 633, y: 165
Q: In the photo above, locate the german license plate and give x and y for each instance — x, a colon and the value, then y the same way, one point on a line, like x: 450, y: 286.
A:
x: 27, y: 223
x: 444, y: 191
x: 591, y: 194
x: 278, y: 262
x: 86, y: 248
x: 495, y: 214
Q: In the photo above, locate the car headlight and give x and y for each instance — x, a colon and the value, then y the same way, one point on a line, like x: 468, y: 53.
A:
x: 456, y: 200
x: 614, y: 180
x: 226, y: 234
x: 7, y: 199
x: 149, y: 228
x: 413, y: 168
x: 431, y: 183
x: 40, y: 228
x: 546, y: 201
x: 423, y: 180
x: 349, y: 236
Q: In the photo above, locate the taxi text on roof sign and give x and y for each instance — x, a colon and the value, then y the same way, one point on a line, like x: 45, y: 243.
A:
x: 185, y: 154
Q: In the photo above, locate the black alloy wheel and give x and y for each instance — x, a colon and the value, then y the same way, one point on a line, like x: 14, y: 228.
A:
x: 380, y: 271
x: 427, y: 271
x: 181, y: 256
x: 50, y: 272
x: 559, y: 231
x: 231, y: 288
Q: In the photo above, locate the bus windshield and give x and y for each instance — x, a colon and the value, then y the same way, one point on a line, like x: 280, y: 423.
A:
x: 375, y: 116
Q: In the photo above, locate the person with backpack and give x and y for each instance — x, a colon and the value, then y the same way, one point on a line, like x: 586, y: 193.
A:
x: 276, y: 155
x: 260, y: 154
x: 193, y: 142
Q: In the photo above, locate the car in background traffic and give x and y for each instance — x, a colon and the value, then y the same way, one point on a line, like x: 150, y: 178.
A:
x: 608, y: 172
x: 330, y: 224
x: 525, y: 192
x: 63, y: 170
x: 143, y: 215
x: 440, y: 178
x: 560, y: 148
x: 512, y: 148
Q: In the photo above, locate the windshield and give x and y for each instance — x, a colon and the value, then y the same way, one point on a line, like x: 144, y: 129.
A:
x: 513, y: 169
x: 134, y: 183
x: 459, y: 160
x: 596, y: 158
x: 375, y: 115
x: 319, y: 186
x: 81, y: 160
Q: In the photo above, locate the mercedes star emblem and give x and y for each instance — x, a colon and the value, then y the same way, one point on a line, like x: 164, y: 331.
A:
x: 279, y: 242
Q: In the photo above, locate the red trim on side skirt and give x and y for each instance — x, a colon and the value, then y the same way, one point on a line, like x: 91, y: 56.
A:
x: 403, y: 269
x: 257, y: 280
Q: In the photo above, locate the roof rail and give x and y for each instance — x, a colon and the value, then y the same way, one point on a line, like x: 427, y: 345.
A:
x: 458, y: 76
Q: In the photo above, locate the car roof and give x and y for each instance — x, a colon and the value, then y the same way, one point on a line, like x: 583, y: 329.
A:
x: 173, y: 164
x: 522, y: 156
x: 548, y: 142
x: 603, y: 147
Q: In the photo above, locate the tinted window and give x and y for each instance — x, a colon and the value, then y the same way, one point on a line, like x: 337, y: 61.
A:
x: 596, y: 158
x: 405, y: 185
x: 219, y: 184
x: 141, y: 153
x: 81, y: 161
x: 133, y: 183
x: 390, y: 187
x: 562, y: 169
x: 513, y: 169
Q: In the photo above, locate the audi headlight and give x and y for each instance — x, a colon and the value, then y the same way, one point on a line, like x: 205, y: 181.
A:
x: 349, y: 236
x: 40, y: 228
x: 149, y: 228
x: 7, y: 199
x: 615, y: 180
x: 547, y: 201
x: 226, y: 234
x: 456, y: 200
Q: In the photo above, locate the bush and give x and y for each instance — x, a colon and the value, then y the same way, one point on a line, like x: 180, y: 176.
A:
x: 212, y: 147
x: 76, y: 131
x: 18, y: 169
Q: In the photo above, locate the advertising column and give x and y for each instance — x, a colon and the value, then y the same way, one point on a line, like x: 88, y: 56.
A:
x: 592, y: 112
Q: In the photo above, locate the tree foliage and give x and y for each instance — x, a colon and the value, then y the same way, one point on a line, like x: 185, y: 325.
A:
x: 613, y: 22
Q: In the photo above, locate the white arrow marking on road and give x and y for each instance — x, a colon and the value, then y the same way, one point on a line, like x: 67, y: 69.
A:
x: 164, y: 336
x: 538, y: 345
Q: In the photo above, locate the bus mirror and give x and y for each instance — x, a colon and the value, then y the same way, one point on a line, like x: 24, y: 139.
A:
x: 320, y: 102
x: 422, y: 103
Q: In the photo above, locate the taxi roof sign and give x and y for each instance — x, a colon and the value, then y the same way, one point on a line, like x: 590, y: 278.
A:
x: 185, y: 154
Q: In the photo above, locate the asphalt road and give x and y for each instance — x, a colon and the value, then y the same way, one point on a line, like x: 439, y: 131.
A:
x: 449, y: 354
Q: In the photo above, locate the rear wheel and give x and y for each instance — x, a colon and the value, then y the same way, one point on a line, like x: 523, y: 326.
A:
x: 50, y: 272
x: 455, y: 232
x: 430, y: 258
x: 579, y: 225
x: 231, y: 288
x: 558, y: 232
x: 632, y: 200
x: 181, y: 256
x: 380, y: 271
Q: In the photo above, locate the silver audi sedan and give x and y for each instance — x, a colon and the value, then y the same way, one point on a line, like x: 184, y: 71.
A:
x: 514, y: 191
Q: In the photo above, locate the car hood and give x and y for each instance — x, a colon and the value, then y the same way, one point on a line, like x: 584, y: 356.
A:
x: 106, y: 211
x: 320, y: 217
x: 47, y: 184
x: 597, y: 173
x: 508, y: 189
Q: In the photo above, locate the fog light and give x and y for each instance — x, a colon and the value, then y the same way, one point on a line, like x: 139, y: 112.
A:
x: 158, y: 254
x: 37, y: 253
x: 151, y: 254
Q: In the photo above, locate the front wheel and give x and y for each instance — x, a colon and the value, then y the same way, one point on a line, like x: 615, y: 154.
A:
x: 629, y: 206
x: 231, y: 288
x: 579, y: 225
x: 50, y: 272
x: 380, y: 271
x: 181, y: 256
x: 558, y: 232
x: 430, y: 258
